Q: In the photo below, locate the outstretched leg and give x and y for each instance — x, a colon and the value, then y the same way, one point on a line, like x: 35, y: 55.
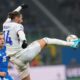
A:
x: 46, y: 40
x: 34, y: 49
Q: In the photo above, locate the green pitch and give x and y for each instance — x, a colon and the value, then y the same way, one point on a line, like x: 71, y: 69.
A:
x: 74, y: 78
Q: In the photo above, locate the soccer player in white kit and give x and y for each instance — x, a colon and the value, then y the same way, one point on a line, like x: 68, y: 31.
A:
x: 16, y: 43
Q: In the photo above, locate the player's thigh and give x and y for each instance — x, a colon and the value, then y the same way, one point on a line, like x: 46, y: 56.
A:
x: 28, y: 53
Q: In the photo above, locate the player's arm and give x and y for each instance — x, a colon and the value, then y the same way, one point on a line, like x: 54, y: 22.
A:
x: 23, y: 6
x: 18, y: 9
x: 22, y: 38
x: 2, y: 74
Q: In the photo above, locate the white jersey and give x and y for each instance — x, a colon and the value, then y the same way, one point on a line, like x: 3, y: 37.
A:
x: 12, y: 41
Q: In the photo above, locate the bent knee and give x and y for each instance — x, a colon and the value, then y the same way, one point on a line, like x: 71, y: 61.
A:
x: 42, y: 42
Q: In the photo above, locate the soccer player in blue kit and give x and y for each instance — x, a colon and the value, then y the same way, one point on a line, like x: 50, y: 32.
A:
x: 3, y: 60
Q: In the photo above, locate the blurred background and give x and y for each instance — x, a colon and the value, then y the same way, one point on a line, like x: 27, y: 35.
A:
x: 50, y: 18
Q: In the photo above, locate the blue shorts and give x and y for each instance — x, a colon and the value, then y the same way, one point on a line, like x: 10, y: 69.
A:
x: 6, y: 78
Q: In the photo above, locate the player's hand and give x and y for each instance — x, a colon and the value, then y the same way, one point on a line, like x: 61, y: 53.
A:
x: 3, y: 74
x: 76, y: 43
x: 24, y: 44
x: 24, y: 6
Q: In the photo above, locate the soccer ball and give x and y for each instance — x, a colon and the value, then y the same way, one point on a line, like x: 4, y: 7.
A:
x: 71, y: 37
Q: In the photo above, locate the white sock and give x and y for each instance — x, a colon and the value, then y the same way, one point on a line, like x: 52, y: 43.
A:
x: 57, y: 41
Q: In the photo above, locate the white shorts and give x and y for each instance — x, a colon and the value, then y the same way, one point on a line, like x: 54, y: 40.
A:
x: 22, y: 58
x: 23, y: 72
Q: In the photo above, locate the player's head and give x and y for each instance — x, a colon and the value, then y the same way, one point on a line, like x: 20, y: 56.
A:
x: 1, y: 40
x: 16, y: 16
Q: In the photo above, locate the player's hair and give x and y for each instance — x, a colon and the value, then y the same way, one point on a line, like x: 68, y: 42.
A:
x: 12, y: 15
x: 1, y: 33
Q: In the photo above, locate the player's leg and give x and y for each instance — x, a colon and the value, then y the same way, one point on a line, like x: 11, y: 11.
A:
x: 34, y: 48
x: 56, y: 41
x: 23, y: 71
x: 27, y: 78
x: 45, y: 41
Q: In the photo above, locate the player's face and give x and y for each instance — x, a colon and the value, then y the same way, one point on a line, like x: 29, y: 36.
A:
x: 1, y: 41
x: 20, y: 19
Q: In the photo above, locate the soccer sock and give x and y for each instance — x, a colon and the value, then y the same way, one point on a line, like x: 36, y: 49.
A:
x: 57, y: 41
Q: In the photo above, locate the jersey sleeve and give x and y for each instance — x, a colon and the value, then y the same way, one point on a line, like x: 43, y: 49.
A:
x: 20, y: 32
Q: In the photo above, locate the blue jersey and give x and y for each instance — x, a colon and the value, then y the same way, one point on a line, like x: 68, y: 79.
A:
x: 4, y: 64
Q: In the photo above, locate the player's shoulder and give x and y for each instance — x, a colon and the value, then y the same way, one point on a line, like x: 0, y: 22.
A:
x: 17, y: 24
x: 18, y: 27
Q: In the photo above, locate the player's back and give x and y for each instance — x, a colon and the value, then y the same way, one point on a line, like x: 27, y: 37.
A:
x: 12, y: 41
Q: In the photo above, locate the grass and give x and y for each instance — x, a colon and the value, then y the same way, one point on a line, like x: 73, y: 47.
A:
x: 74, y: 78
